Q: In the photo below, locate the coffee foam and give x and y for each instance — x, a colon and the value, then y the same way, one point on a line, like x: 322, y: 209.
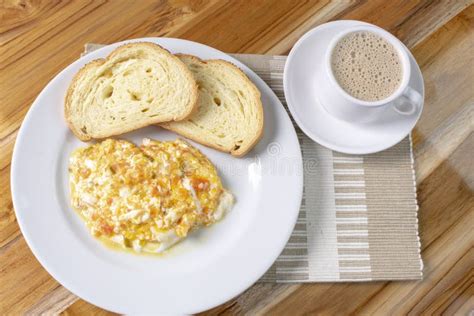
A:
x: 366, y: 66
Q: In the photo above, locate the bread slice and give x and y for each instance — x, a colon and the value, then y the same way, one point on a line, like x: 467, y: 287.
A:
x: 229, y: 116
x: 137, y: 85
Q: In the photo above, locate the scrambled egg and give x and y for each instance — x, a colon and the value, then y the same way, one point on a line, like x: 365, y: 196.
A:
x: 145, y: 198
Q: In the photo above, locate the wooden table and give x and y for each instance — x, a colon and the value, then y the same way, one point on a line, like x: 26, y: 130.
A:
x: 39, y: 38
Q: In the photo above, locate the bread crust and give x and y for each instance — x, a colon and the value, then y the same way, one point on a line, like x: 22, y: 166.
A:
x: 193, y: 104
x: 242, y: 150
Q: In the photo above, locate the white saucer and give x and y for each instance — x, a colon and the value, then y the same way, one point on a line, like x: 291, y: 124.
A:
x: 300, y: 80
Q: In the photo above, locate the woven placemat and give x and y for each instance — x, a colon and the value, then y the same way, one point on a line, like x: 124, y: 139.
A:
x: 358, y: 218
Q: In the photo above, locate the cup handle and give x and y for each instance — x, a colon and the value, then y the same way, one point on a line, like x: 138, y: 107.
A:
x: 408, y: 103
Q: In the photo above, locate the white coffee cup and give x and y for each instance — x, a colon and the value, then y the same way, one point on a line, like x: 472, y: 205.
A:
x: 404, y: 100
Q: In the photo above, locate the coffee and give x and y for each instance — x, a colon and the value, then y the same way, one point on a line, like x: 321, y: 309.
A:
x: 366, y: 66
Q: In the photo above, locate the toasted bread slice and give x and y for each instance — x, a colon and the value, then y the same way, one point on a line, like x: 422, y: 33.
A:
x: 137, y: 85
x: 229, y: 116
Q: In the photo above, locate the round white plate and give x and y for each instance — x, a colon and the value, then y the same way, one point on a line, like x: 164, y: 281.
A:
x: 301, y: 85
x: 213, y: 265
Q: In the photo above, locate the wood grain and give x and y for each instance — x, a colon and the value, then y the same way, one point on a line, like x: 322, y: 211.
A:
x: 39, y: 38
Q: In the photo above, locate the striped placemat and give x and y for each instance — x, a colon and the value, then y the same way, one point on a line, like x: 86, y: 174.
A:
x: 358, y: 218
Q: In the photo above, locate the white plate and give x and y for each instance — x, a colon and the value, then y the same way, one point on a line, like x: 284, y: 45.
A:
x: 301, y: 84
x: 213, y: 265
